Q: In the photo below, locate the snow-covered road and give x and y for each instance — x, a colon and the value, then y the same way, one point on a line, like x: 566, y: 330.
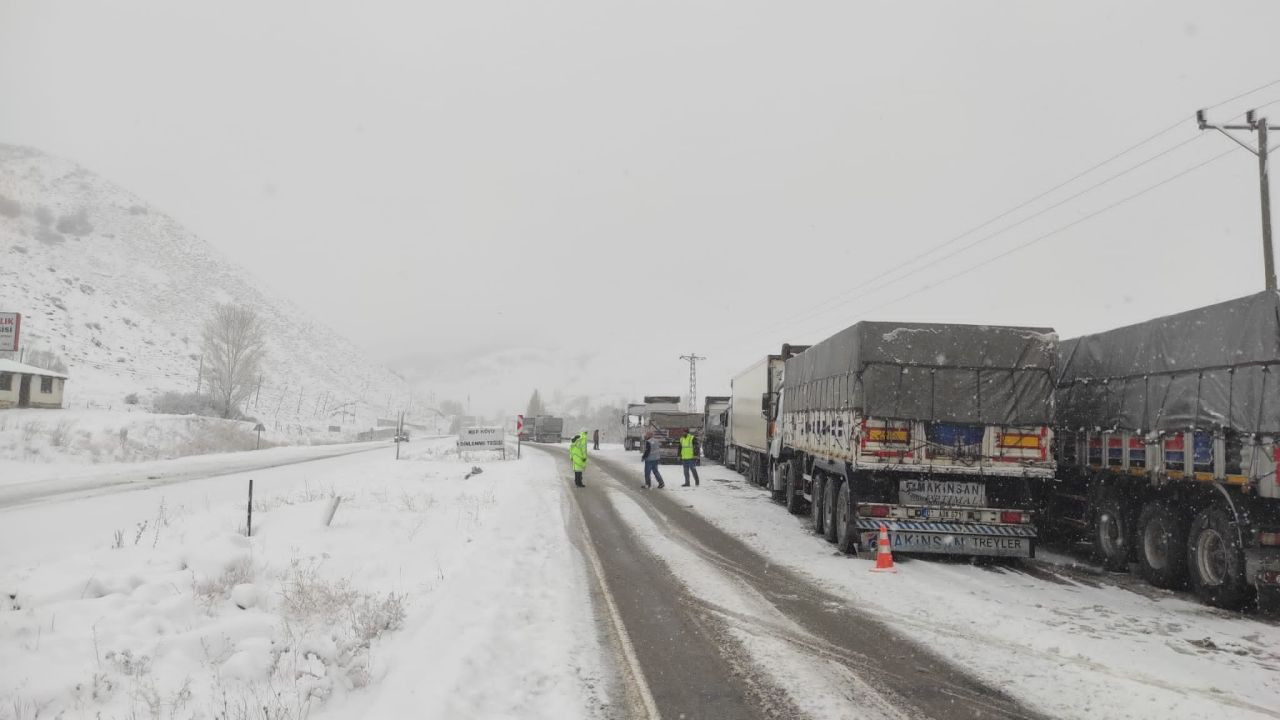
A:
x: 1058, y: 638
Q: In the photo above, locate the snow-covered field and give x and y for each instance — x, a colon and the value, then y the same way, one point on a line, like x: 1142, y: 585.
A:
x: 432, y: 594
x: 34, y: 437
x: 1073, y: 648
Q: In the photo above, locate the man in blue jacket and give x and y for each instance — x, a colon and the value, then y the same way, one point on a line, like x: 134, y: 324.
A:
x: 651, y: 455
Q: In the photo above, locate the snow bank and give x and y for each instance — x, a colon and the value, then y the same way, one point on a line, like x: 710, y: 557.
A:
x: 154, y: 603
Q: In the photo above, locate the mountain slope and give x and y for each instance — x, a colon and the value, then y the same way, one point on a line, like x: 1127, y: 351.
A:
x: 120, y: 290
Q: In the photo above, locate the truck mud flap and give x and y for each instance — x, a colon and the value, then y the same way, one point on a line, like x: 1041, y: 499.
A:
x: 936, y: 538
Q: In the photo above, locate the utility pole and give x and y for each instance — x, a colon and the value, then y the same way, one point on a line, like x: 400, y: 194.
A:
x: 200, y: 375
x: 693, y: 379
x: 1253, y: 123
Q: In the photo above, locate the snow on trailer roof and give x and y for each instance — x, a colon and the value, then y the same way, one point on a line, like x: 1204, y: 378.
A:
x: 13, y: 366
x: 982, y: 374
x: 1205, y: 368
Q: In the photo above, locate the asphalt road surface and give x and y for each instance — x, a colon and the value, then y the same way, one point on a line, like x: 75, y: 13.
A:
x: 128, y: 480
x: 681, y: 654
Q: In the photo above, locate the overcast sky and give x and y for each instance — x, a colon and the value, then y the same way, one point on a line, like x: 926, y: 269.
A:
x: 498, y: 195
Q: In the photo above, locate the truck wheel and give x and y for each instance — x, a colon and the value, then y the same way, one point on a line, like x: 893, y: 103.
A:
x: 1216, y: 560
x: 778, y: 489
x: 1111, y: 532
x: 830, y: 496
x: 791, y: 478
x: 816, y: 508
x: 846, y: 520
x: 1162, y: 545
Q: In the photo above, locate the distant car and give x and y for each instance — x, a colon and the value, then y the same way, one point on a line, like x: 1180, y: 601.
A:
x: 404, y: 437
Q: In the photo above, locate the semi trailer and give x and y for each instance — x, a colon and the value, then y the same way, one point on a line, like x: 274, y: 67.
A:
x: 669, y: 427
x: 941, y: 433
x: 1169, y: 436
x: 753, y: 395
x: 548, y: 429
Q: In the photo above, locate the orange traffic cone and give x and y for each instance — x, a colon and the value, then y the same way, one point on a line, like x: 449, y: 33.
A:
x: 884, y: 556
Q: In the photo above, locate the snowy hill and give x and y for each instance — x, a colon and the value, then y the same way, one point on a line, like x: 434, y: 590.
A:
x: 119, y: 290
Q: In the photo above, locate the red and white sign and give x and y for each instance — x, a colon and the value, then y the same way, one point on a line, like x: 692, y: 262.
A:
x: 10, y: 330
x: 519, y: 424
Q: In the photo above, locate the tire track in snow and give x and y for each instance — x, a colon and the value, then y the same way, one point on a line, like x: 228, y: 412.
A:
x: 882, y: 658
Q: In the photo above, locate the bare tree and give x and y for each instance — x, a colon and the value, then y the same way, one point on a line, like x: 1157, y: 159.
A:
x: 46, y: 359
x: 234, y: 346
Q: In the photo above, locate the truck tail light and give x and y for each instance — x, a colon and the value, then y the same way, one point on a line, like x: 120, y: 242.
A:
x: 1269, y: 577
x: 1013, y: 517
x: 873, y: 510
x: 1269, y: 538
x: 1019, y: 441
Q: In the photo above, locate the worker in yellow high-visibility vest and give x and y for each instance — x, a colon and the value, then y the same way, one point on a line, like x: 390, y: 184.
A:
x: 689, y: 457
x: 578, y: 456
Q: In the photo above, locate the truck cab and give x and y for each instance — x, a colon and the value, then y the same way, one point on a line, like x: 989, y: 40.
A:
x: 633, y: 426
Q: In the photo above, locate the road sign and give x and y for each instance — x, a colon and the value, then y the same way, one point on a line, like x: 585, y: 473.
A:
x: 519, y: 424
x: 481, y: 439
x: 10, y: 330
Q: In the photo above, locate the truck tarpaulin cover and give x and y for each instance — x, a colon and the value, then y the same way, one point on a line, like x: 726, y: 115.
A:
x: 1207, y: 368
x: 669, y: 421
x: 981, y: 374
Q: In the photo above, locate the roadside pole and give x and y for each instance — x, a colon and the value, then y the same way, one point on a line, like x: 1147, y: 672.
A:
x: 399, y: 434
x: 1256, y: 124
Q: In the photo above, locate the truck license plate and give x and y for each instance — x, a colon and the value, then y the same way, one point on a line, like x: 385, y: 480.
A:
x: 940, y: 513
x: 940, y: 543
x: 918, y: 491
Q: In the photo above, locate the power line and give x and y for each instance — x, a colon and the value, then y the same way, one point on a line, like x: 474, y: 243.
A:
x: 884, y: 280
x: 852, y: 293
x: 1259, y: 125
x: 1045, y: 236
x: 1173, y: 126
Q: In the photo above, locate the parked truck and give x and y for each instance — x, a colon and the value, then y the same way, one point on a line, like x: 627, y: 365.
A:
x: 638, y: 421
x: 633, y: 427
x: 941, y: 433
x: 753, y: 400
x: 668, y: 427
x: 1169, y: 436
x: 714, y: 419
x: 548, y: 429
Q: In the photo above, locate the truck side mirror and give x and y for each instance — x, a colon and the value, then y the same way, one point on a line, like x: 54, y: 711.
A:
x: 764, y: 405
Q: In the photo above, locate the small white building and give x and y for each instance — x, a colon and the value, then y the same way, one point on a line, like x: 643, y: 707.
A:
x: 25, y: 386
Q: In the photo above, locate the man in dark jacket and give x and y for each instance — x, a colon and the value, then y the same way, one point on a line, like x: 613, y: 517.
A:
x: 651, y: 455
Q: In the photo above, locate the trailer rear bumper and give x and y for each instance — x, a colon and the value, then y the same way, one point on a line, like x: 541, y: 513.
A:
x: 941, y: 538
